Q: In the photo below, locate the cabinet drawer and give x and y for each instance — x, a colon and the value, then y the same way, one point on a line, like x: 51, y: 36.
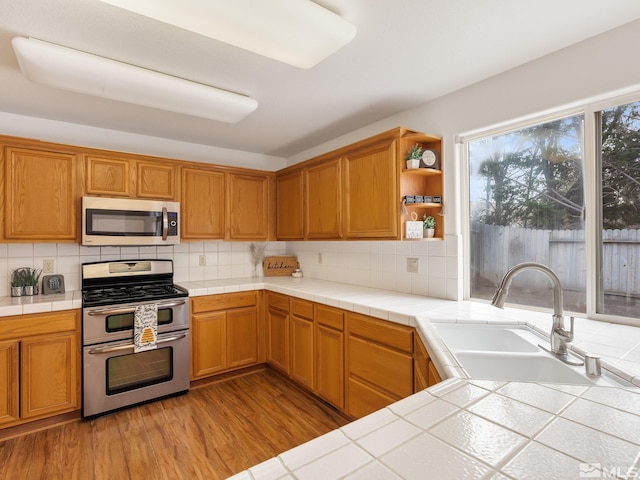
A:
x: 39, y: 324
x: 386, y: 333
x: 302, y: 308
x: 278, y: 301
x: 224, y: 301
x: 385, y: 368
x: 329, y: 316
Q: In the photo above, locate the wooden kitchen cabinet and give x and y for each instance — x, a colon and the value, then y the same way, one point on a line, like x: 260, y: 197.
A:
x: 379, y: 364
x: 40, y: 195
x: 49, y: 375
x: 278, y: 331
x: 203, y: 204
x: 323, y: 200
x: 290, y: 206
x: 371, y: 205
x: 129, y: 176
x: 329, y: 354
x: 248, y: 206
x: 156, y: 180
x: 39, y: 366
x: 302, y: 343
x: 224, y: 333
x: 9, y: 393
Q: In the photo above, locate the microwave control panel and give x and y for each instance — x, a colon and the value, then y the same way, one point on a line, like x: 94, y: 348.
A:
x: 173, y: 223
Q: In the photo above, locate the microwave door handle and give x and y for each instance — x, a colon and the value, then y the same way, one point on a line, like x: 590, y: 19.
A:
x: 165, y: 223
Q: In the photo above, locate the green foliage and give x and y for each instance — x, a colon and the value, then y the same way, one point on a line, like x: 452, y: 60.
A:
x: 428, y: 221
x: 415, y: 153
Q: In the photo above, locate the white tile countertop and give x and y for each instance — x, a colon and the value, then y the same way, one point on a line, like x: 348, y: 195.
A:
x: 460, y: 428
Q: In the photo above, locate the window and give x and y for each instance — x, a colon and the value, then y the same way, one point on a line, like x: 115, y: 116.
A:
x: 526, y: 204
x: 619, y: 252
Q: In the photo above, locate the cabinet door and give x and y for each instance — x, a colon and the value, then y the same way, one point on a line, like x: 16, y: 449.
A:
x: 278, y: 343
x: 242, y: 337
x: 371, y: 205
x: 40, y: 195
x: 9, y: 410
x: 248, y: 203
x: 155, y: 180
x: 302, y: 351
x: 289, y: 207
x: 208, y: 344
x: 433, y: 375
x: 329, y: 356
x: 323, y: 209
x: 108, y: 176
x: 49, y: 378
x: 202, y: 204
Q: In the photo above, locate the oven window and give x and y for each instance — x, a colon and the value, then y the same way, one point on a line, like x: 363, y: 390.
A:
x: 124, y: 321
x: 137, y: 370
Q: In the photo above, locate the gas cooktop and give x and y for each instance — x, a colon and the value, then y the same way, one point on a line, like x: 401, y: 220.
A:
x: 131, y: 293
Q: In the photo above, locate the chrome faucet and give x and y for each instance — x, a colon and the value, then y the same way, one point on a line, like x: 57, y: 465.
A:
x: 560, y: 337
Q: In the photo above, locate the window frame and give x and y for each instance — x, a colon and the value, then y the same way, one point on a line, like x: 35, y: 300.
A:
x: 592, y: 202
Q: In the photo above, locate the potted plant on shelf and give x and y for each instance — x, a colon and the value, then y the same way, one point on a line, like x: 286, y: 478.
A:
x: 414, y: 156
x: 428, y: 226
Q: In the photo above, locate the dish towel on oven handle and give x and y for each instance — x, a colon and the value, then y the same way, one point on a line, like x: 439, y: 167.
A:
x: 145, y: 331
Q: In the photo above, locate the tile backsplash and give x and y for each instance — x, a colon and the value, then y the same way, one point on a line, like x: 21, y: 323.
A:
x: 378, y: 264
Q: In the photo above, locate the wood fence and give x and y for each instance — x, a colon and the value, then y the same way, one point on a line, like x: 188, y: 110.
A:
x: 495, y: 249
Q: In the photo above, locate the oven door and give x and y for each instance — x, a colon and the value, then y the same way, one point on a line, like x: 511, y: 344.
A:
x: 107, y: 324
x: 116, y: 377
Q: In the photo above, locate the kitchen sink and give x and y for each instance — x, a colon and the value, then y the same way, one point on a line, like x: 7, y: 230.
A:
x: 514, y: 353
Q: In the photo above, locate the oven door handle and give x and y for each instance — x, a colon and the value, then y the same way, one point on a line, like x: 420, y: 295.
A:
x: 165, y: 223
x: 95, y: 351
x: 118, y: 311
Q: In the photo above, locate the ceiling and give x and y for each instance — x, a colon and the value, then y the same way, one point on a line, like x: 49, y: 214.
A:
x: 404, y: 54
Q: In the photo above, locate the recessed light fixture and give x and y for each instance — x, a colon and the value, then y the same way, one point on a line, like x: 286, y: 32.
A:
x: 296, y: 32
x: 75, y: 71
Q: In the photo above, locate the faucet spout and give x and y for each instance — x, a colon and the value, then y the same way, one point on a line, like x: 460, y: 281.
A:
x: 560, y: 337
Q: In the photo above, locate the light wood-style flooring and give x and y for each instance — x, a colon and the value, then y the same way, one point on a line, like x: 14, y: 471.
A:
x: 214, y: 431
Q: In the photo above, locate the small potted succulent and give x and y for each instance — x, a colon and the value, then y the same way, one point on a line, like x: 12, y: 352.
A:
x: 414, y: 156
x: 32, y: 278
x: 18, y: 281
x: 428, y: 226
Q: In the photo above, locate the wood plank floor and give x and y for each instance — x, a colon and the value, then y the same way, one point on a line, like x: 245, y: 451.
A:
x: 214, y: 431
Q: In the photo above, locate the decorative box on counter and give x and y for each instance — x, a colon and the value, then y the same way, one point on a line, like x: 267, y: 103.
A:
x: 279, y: 266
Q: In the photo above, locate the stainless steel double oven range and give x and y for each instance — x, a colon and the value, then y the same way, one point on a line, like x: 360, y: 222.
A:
x: 113, y: 375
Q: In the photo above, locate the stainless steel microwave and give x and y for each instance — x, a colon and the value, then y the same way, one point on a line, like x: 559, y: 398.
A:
x: 123, y: 221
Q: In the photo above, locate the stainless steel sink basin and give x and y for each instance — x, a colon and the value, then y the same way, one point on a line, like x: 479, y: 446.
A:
x: 512, y: 352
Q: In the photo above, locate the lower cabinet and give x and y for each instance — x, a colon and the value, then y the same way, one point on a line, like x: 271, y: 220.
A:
x: 278, y: 331
x: 424, y: 371
x: 302, y: 343
x: 379, y: 364
x: 39, y: 366
x: 329, y: 354
x: 224, y: 333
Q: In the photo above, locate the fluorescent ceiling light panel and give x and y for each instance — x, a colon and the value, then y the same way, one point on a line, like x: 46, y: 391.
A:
x: 297, y: 32
x: 75, y: 71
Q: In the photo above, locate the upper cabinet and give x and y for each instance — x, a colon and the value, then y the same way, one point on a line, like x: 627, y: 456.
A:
x: 203, y: 201
x: 41, y: 199
x: 289, y: 207
x: 356, y: 192
x: 370, y: 192
x: 322, y: 200
x: 130, y: 177
x: 248, y: 205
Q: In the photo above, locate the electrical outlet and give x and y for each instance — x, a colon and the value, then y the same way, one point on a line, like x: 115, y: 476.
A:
x: 412, y: 265
x: 202, y: 261
x: 48, y: 266
x: 319, y: 258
